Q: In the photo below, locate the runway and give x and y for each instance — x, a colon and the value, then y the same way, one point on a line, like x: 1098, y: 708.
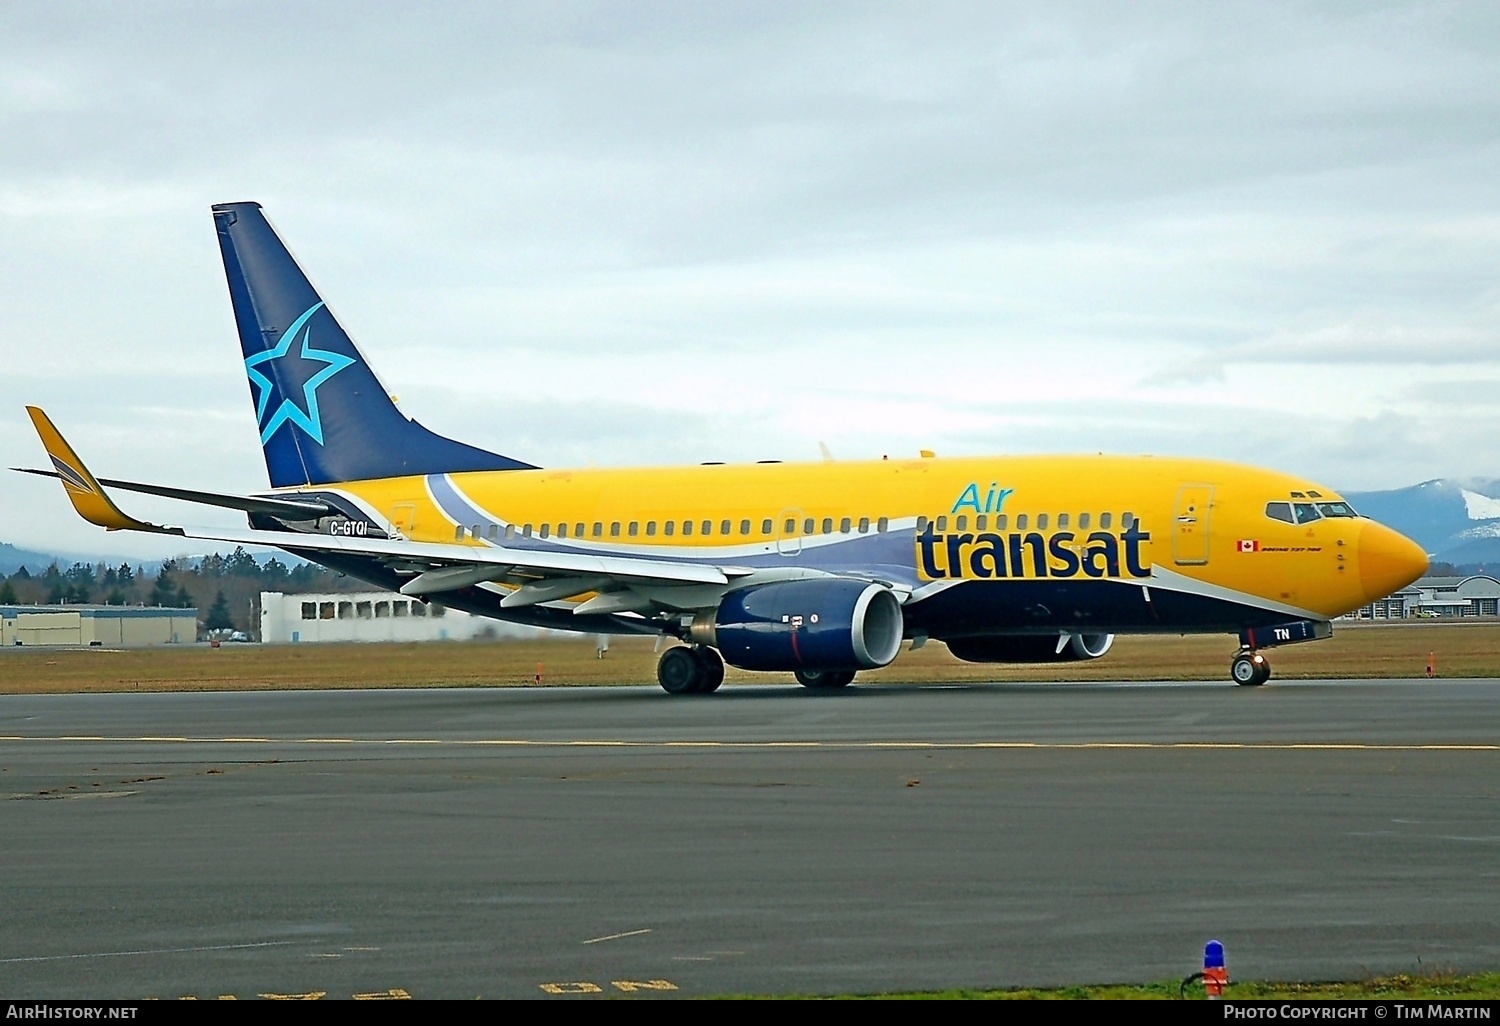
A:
x: 568, y: 843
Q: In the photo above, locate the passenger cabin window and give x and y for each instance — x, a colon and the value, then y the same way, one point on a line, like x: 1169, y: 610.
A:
x: 635, y: 528
x: 577, y: 530
x: 687, y: 528
x: 828, y: 525
x: 494, y: 531
x: 526, y: 531
x: 599, y: 529
x: 478, y: 531
x: 942, y: 523
x: 1062, y: 521
x: 845, y: 526
x: 510, y: 531
x: 614, y: 529
x: 1127, y: 521
x: 808, y: 525
x: 726, y: 525
x: 562, y: 530
x: 961, y: 524
x: 1105, y: 519
x: 666, y: 528
x: 1041, y: 521
x: 765, y: 527
x: 1280, y: 511
x: 882, y: 525
x: 1305, y: 512
x: 864, y: 525
x: 791, y: 526
x: 982, y: 522
x: 1083, y: 521
x: 458, y: 533
x: 744, y: 527
x: 546, y: 529
x: 921, y: 524
x: 1002, y: 521
x: 651, y: 529
x: 1021, y: 522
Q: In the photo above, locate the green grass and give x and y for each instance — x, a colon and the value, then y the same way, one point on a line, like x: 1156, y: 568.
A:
x: 1403, y: 987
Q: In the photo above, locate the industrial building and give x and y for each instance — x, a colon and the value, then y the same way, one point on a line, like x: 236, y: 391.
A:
x: 1445, y: 597
x: 373, y: 616
x: 97, y: 626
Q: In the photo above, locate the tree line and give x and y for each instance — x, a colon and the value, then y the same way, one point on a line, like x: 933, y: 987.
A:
x: 228, y: 586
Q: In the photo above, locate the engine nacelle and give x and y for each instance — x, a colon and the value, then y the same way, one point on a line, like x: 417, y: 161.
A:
x: 1031, y: 648
x: 821, y: 623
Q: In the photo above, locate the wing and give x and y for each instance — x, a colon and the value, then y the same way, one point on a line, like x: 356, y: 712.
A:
x: 617, y: 583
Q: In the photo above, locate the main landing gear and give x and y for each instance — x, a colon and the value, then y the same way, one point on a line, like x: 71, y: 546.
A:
x: 824, y: 680
x: 1249, y: 668
x: 690, y: 670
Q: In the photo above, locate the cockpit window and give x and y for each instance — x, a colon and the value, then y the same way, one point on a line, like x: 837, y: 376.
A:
x: 1336, y: 509
x: 1280, y: 511
x: 1305, y: 512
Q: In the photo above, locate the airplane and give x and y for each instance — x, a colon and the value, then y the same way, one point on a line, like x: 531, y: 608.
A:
x: 822, y: 569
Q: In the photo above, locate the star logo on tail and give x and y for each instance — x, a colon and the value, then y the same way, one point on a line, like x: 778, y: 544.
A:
x: 313, y: 367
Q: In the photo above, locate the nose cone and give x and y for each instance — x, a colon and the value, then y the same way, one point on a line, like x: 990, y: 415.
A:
x: 1387, y: 561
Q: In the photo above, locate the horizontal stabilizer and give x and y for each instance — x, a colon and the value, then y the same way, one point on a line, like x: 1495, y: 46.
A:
x: 288, y: 508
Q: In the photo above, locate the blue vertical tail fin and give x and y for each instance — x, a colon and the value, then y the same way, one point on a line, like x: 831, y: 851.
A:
x: 323, y: 415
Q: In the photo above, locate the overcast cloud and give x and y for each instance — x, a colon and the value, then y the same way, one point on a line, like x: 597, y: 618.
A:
x: 637, y: 233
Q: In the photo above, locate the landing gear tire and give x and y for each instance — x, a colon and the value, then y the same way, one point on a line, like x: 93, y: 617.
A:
x: 1250, y: 669
x: 679, y: 671
x: 710, y: 670
x: 824, y: 680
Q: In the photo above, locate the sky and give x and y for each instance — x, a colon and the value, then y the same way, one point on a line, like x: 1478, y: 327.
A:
x: 643, y: 233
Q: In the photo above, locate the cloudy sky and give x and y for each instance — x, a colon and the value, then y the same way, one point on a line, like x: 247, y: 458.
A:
x: 643, y: 233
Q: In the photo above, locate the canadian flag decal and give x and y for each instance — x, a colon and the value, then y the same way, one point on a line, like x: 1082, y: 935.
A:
x: 1249, y: 546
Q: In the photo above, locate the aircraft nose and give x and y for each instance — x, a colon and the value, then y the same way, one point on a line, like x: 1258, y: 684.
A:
x: 1387, y: 561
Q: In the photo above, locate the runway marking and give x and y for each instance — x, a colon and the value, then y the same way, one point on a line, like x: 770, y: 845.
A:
x: 1280, y: 746
x: 616, y: 936
x: 145, y: 951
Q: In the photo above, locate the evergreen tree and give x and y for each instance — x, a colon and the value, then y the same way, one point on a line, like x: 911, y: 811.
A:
x: 241, y: 564
x: 80, y: 582
x: 274, y: 573
x: 162, y: 592
x: 56, y: 588
x: 218, y: 615
x: 183, y: 600
x: 8, y: 594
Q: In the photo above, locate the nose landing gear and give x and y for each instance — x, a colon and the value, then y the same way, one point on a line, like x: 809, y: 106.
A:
x: 1249, y: 669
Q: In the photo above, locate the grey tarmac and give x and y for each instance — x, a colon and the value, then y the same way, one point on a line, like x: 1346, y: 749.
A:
x: 568, y: 843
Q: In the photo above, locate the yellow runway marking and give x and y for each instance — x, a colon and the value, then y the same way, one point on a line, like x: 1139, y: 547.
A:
x: 1279, y: 746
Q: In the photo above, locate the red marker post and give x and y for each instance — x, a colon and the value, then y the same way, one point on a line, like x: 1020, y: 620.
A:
x: 1215, y: 976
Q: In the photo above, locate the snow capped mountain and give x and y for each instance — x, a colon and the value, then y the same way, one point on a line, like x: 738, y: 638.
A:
x: 1456, y: 521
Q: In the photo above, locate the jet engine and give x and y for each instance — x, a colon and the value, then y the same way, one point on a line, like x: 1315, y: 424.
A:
x: 823, y: 623
x: 1031, y: 648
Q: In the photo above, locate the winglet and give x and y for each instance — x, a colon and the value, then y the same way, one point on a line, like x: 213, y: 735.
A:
x: 86, y: 494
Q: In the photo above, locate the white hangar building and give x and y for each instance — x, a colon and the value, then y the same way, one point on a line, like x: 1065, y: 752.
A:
x: 373, y: 616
